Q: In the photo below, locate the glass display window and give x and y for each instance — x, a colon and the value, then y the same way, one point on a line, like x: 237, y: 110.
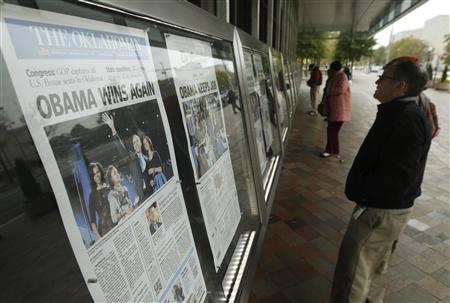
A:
x: 134, y: 149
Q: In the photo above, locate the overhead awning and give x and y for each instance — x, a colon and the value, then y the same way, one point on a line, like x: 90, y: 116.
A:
x: 356, y: 15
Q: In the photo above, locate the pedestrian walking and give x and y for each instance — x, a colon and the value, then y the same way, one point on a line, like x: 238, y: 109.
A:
x: 339, y: 104
x: 384, y: 181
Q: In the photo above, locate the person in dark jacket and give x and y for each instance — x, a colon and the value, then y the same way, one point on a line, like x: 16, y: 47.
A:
x: 384, y: 181
x: 314, y: 82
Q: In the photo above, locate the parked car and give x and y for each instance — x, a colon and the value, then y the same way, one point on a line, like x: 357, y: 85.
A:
x: 375, y: 68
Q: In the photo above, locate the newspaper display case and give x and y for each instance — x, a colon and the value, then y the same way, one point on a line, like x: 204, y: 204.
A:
x: 144, y: 156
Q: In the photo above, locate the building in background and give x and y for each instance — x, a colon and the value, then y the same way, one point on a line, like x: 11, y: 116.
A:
x: 433, y: 33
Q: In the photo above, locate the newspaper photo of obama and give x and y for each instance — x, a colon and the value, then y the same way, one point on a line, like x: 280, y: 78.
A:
x: 111, y: 162
x: 207, y: 136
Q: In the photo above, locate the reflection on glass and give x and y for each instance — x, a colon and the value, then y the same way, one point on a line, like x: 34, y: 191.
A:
x: 280, y: 85
x: 231, y: 103
x: 262, y: 106
x: 289, y: 88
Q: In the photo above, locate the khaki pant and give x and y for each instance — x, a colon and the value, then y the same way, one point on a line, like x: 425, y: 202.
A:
x: 314, y: 93
x: 365, y: 253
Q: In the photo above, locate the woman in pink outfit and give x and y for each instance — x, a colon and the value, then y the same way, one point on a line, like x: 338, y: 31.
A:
x: 339, y: 107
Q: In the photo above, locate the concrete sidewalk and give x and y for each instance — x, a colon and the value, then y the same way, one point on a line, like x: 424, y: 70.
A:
x: 311, y: 212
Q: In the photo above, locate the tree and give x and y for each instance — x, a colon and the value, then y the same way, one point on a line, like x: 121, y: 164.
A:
x: 429, y: 71
x: 379, y: 56
x: 311, y: 45
x: 447, y: 49
x: 409, y: 47
x: 353, y: 46
x: 444, y: 74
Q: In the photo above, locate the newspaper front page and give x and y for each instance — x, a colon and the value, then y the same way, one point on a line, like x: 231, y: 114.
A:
x: 201, y: 108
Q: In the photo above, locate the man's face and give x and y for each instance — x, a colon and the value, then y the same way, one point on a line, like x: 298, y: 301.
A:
x: 137, y: 144
x: 153, y: 215
x: 389, y: 88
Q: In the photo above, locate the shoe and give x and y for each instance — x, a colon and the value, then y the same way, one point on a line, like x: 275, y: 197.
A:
x: 325, y: 155
x: 312, y: 113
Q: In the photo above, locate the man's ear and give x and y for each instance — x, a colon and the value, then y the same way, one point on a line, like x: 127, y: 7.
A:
x: 402, y: 86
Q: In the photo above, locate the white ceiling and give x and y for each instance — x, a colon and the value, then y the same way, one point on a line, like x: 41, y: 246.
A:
x: 343, y: 15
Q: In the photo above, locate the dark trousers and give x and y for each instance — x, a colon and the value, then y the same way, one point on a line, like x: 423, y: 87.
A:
x: 333, y: 129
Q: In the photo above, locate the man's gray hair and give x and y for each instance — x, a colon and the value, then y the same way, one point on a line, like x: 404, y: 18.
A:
x: 415, y: 77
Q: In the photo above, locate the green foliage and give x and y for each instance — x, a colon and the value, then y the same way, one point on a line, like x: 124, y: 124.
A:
x: 409, y: 47
x: 379, y: 56
x: 430, y: 71
x: 352, y: 47
x: 447, y: 49
x: 311, y: 45
x: 444, y: 74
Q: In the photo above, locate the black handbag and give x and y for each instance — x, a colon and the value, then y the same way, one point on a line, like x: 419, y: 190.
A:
x: 323, y: 107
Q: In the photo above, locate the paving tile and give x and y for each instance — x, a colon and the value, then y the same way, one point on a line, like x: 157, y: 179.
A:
x: 424, y: 238
x: 397, y: 282
x: 303, y: 270
x: 439, y: 228
x: 322, y: 265
x: 323, y: 244
x: 263, y: 287
x: 271, y: 263
x: 416, y: 246
x: 445, y: 300
x: 403, y: 251
x: 295, y: 223
x: 442, y: 276
x: 397, y: 297
x: 273, y: 244
x: 283, y: 278
x: 434, y: 287
x: 252, y: 298
x: 443, y: 248
x: 419, y: 225
x: 447, y: 267
x: 305, y: 251
x: 294, y: 239
x: 411, y: 231
x: 308, y: 233
x: 395, y: 259
x: 435, y: 257
x: 281, y: 213
x: 287, y: 256
x: 278, y: 297
x: 407, y: 271
x: 411, y: 294
x: 443, y: 236
x: 423, y: 264
x: 280, y: 228
x: 311, y: 291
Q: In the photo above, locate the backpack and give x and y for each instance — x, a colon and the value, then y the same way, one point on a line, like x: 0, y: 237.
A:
x: 430, y: 112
